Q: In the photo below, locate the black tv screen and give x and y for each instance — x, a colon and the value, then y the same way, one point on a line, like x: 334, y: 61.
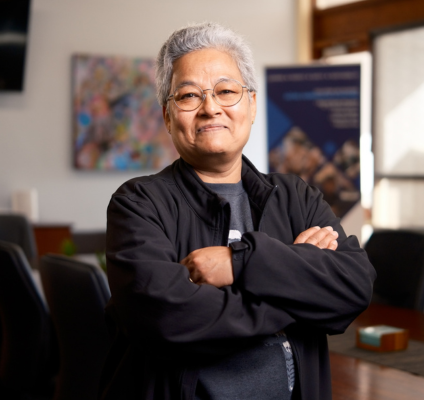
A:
x: 14, y: 17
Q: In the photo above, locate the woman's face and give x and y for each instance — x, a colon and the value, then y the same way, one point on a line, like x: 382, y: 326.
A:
x: 211, y: 132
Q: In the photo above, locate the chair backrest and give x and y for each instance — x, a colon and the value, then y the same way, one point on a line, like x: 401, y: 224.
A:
x: 89, y: 242
x: 15, y: 228
x: 77, y: 293
x: 28, y: 355
x: 398, y: 257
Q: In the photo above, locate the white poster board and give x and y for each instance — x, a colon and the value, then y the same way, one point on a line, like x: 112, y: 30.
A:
x: 399, y: 103
x: 398, y: 139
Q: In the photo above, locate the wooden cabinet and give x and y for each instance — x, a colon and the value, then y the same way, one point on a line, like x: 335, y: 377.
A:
x: 51, y: 237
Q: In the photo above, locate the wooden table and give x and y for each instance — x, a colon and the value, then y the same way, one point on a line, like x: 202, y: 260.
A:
x: 355, y: 379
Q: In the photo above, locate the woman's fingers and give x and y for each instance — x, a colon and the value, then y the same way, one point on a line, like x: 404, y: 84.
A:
x: 305, y: 235
x: 324, y: 238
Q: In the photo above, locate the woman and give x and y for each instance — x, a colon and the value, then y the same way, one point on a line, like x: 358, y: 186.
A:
x: 220, y: 275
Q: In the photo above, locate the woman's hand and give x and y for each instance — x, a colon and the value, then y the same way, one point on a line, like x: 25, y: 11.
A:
x: 212, y: 265
x: 324, y: 238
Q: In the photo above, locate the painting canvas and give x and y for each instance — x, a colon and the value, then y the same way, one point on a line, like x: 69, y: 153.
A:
x: 117, y: 121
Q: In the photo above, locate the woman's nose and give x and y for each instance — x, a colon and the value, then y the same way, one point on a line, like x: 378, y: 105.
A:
x: 209, y: 104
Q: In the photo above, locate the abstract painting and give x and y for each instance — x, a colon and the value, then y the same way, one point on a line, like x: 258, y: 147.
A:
x: 117, y: 121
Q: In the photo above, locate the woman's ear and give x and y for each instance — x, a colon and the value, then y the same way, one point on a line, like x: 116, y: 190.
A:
x: 253, y: 105
x: 166, y: 118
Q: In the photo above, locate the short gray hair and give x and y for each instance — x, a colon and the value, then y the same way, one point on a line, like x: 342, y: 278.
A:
x: 194, y: 37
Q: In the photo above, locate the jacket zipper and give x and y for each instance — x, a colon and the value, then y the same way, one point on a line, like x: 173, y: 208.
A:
x: 297, y: 366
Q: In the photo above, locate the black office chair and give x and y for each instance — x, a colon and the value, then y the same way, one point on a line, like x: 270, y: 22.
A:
x: 15, y: 228
x: 28, y: 354
x: 77, y: 293
x: 89, y: 242
x: 398, y: 257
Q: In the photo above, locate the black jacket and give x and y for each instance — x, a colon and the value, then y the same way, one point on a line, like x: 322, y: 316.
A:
x: 165, y: 327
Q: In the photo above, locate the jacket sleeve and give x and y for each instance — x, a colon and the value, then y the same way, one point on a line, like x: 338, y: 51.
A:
x: 323, y: 288
x: 153, y: 300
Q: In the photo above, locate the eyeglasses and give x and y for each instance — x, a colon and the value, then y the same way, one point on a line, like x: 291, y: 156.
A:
x: 189, y: 97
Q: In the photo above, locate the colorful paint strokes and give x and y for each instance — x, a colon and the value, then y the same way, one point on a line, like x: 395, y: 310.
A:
x: 117, y: 121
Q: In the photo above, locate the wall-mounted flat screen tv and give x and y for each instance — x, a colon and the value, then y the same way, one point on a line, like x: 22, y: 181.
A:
x: 14, y: 18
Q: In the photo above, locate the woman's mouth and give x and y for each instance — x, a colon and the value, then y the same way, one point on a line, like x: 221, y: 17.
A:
x: 210, y: 128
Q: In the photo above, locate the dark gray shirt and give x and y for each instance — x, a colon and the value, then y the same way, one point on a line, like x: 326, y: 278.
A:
x: 241, y: 217
x: 264, y: 371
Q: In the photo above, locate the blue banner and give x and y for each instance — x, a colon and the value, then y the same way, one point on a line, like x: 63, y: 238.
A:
x: 313, y: 116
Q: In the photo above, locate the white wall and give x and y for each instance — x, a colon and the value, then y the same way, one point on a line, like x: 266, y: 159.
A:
x: 35, y: 126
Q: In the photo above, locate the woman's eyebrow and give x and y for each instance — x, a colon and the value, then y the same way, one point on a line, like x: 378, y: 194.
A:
x: 185, y: 83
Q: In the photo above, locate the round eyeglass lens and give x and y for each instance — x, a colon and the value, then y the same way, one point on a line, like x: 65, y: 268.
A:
x: 188, y: 97
x: 228, y: 92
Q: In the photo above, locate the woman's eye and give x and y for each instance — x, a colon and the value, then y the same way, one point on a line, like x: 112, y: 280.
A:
x: 187, y: 96
x: 225, y: 91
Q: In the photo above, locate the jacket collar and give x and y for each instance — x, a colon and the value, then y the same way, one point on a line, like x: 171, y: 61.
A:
x: 255, y: 184
x: 205, y: 202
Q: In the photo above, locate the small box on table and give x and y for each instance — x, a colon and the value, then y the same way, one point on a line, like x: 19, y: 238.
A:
x: 382, y: 338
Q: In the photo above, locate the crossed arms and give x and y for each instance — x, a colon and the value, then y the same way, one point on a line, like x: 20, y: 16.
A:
x: 213, y: 265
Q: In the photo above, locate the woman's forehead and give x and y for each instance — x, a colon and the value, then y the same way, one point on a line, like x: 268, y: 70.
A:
x: 206, y: 66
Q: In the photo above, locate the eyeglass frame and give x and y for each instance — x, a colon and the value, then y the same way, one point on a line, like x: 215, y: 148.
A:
x: 213, y: 94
